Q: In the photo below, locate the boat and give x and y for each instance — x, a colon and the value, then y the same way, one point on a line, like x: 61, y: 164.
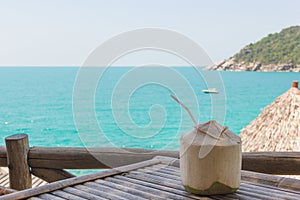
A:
x: 211, y: 90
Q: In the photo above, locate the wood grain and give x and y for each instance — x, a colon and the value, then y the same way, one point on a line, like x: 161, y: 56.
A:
x: 96, y: 158
x: 281, y: 163
x: 51, y: 175
x: 17, y: 151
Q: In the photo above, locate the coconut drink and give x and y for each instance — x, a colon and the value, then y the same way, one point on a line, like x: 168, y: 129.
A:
x: 210, y: 159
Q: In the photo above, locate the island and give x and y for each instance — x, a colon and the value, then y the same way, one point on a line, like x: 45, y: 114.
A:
x: 278, y: 52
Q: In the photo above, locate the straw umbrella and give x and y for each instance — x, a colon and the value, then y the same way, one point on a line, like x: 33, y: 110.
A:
x: 277, y: 128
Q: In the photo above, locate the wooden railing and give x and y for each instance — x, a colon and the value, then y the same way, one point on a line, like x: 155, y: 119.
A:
x: 49, y: 163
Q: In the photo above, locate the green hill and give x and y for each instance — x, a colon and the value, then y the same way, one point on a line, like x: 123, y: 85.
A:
x: 283, y: 47
x: 275, y: 52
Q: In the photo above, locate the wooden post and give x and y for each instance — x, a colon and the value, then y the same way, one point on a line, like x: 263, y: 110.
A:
x: 17, y: 151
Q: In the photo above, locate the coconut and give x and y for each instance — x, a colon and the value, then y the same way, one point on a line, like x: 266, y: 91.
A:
x: 210, y: 159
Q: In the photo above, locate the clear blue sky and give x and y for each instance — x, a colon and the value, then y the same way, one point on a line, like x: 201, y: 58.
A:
x: 64, y: 32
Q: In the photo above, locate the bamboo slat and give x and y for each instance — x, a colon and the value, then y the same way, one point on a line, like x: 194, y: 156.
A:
x: 148, y: 190
x: 130, y: 192
x: 116, y: 194
x: 249, y: 186
x: 50, y: 197
x: 66, y: 195
x: 35, y: 198
x: 245, y: 190
x: 82, y: 194
x: 107, y: 191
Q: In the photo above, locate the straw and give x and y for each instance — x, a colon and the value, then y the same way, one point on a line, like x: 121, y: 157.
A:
x: 187, y: 109
x: 277, y: 128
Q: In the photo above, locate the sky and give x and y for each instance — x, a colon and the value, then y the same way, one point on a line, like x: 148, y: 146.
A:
x: 65, y: 32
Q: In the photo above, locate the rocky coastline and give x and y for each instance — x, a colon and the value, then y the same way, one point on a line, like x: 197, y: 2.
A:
x: 231, y: 65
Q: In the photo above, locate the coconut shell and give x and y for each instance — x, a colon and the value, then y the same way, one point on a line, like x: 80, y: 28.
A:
x: 210, y: 160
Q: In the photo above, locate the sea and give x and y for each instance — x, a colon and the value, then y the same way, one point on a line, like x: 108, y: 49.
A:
x: 128, y: 107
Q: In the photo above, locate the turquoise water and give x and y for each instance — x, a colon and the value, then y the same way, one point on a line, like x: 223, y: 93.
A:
x: 38, y: 101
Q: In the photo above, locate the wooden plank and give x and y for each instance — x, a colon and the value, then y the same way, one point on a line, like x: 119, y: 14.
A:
x: 17, y: 151
x: 77, y: 180
x: 283, y: 163
x: 96, y: 158
x: 81, y: 158
x: 51, y: 175
x: 63, y: 158
x: 277, y: 181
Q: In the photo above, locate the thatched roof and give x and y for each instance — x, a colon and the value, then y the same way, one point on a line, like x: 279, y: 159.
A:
x: 277, y: 128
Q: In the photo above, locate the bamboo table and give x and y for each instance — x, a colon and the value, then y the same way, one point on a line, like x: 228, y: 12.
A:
x: 157, y: 178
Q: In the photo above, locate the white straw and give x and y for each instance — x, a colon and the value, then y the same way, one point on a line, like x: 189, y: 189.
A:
x: 186, y: 108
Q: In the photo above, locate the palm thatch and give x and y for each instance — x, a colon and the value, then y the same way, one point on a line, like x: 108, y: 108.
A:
x: 277, y: 128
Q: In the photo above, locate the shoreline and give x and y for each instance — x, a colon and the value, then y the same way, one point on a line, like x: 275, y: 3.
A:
x: 231, y: 64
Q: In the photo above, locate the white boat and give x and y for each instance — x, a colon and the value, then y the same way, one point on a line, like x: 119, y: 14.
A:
x: 211, y: 90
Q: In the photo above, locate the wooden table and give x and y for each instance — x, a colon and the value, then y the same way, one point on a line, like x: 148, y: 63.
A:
x: 157, y: 178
